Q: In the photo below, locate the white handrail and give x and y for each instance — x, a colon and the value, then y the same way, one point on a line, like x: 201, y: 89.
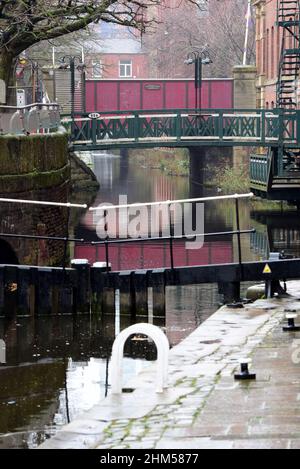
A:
x: 38, y: 202
x: 28, y: 106
x: 169, y: 202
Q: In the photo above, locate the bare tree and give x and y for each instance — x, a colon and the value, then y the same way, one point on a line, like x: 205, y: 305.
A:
x: 220, y: 30
x: 24, y: 23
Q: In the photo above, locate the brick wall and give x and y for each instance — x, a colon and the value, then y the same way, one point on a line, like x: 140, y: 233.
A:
x: 110, y: 65
x: 268, y: 48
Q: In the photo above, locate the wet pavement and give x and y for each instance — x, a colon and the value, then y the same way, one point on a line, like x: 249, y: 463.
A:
x: 204, y: 407
x: 57, y: 367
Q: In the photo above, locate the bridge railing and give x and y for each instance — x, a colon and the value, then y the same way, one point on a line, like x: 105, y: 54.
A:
x: 262, y: 169
x: 222, y: 126
x: 32, y: 119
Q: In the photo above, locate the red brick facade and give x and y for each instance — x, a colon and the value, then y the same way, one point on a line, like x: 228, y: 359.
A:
x: 268, y: 40
x: 111, y: 66
x: 268, y: 50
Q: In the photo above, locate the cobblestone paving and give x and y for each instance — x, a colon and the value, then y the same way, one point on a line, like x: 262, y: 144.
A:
x: 204, y: 407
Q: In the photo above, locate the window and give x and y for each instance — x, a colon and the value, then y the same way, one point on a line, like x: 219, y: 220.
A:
x: 125, y: 69
x: 97, y: 69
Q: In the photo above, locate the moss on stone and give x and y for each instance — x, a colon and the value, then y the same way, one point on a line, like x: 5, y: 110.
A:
x: 22, y: 154
x: 34, y: 181
x: 33, y: 162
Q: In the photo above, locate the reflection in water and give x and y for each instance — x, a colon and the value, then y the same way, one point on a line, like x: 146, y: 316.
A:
x: 57, y: 366
x: 276, y: 231
x: 120, y: 176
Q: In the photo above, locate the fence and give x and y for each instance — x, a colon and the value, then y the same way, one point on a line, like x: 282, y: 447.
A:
x: 32, y: 119
x: 30, y: 290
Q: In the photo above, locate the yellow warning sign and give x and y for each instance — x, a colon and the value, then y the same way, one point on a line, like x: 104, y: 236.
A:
x: 267, y: 269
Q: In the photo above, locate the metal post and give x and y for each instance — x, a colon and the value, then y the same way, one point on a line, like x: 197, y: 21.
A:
x: 171, y: 238
x: 72, y: 71
x: 66, y: 239
x: 200, y: 81
x: 83, y: 91
x: 238, y: 229
x: 280, y: 142
x: 196, y: 81
x: 106, y: 243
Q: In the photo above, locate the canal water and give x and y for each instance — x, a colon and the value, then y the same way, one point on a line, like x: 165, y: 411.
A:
x: 59, y: 367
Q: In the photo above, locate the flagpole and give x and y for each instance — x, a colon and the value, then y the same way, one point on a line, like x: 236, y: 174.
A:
x: 248, y: 17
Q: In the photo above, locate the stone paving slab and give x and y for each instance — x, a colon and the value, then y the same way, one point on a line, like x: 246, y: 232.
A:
x: 204, y: 407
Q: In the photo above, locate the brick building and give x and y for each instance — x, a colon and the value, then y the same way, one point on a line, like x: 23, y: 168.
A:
x: 274, y: 64
x: 118, y: 54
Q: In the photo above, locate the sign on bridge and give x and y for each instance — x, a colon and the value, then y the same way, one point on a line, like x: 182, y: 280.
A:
x: 94, y: 115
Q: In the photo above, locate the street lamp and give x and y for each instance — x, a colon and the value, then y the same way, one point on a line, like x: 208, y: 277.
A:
x: 198, y: 58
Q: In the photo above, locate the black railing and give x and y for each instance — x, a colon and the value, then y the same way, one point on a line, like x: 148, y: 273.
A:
x: 107, y: 242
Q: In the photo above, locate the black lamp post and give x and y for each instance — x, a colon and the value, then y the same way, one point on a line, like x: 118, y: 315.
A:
x: 72, y: 59
x: 198, y: 58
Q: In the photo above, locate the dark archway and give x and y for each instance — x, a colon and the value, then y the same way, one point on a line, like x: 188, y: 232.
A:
x: 7, y: 254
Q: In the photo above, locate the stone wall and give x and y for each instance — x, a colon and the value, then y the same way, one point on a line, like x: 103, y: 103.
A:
x: 245, y: 97
x: 244, y: 87
x: 82, y: 177
x: 34, y: 162
x: 34, y: 167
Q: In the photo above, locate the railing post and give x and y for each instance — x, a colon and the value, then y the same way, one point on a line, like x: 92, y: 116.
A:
x: 108, y: 266
x: 178, y: 127
x: 66, y: 242
x: 171, y: 237
x: 220, y: 125
x: 94, y: 131
x: 238, y: 228
x: 263, y: 127
x: 280, y: 141
x: 136, y: 127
